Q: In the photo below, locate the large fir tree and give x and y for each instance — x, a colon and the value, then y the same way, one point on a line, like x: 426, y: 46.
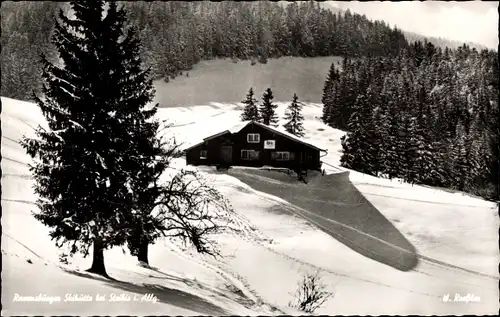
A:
x: 89, y: 161
x: 268, y: 109
x: 294, y: 118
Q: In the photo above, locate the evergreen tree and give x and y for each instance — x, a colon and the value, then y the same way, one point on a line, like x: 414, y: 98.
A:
x: 460, y: 163
x: 414, y: 153
x: 359, y: 149
x: 329, y: 94
x: 98, y: 136
x: 268, y: 109
x: 250, y: 110
x: 347, y: 94
x: 426, y: 163
x: 400, y: 129
x: 381, y: 121
x: 477, y: 156
x: 294, y: 118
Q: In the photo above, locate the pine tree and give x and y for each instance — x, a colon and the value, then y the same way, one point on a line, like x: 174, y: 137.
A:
x: 268, y: 109
x: 359, y: 149
x: 477, y: 161
x: 381, y: 121
x: 414, y: 151
x: 426, y: 165
x: 294, y: 118
x: 354, y: 156
x: 328, y: 98
x: 460, y: 162
x: 250, y: 110
x: 88, y: 159
x: 389, y: 121
x: 347, y: 95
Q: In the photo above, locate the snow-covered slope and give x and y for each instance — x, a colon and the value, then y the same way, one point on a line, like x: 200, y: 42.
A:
x: 454, y: 235
x: 31, y: 267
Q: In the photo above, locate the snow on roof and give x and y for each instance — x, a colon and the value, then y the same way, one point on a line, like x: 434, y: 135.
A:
x: 238, y: 127
x: 282, y: 131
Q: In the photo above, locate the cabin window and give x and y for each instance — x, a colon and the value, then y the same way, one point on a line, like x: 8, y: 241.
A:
x: 249, y: 155
x: 281, y: 156
x: 253, y: 138
x: 203, y: 154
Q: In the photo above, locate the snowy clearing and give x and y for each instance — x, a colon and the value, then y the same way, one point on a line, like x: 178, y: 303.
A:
x: 382, y: 247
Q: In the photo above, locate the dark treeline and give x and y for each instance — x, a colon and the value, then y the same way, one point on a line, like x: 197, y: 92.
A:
x: 428, y: 116
x: 176, y: 35
x: 26, y: 29
x: 179, y: 34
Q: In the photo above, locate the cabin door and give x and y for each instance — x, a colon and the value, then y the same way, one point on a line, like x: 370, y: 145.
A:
x: 226, y: 152
x: 299, y: 162
x: 305, y: 160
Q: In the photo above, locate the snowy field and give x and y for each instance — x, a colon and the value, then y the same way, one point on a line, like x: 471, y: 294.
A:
x: 222, y: 80
x: 444, y: 242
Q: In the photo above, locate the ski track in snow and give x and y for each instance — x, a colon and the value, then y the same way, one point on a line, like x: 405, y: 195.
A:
x: 303, y: 214
x: 233, y: 278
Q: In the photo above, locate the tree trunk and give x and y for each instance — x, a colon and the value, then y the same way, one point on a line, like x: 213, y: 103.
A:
x: 98, y: 259
x: 142, y: 254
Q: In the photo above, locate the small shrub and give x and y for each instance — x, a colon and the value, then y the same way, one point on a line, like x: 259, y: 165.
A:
x: 253, y: 62
x: 166, y: 79
x: 263, y: 59
x: 311, y: 293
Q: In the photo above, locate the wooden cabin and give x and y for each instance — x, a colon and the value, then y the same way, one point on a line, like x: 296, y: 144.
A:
x: 255, y: 144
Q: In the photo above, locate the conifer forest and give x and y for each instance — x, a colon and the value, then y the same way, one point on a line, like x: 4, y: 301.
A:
x: 414, y: 111
x: 429, y: 116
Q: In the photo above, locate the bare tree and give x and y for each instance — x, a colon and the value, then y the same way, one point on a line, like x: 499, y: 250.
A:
x: 185, y: 207
x: 192, y: 210
x: 311, y: 293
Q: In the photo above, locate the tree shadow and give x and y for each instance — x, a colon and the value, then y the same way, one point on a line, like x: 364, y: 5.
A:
x: 336, y: 206
x: 164, y: 294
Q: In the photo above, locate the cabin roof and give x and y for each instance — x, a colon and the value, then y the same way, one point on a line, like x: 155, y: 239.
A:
x: 238, y: 127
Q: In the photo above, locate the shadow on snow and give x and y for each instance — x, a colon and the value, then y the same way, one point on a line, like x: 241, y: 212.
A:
x: 335, y: 205
x: 164, y: 294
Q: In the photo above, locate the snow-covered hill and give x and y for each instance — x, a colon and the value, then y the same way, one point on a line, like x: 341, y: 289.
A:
x: 454, y: 235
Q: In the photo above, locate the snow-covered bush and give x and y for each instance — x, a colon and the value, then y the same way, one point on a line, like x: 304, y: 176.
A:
x: 311, y: 293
